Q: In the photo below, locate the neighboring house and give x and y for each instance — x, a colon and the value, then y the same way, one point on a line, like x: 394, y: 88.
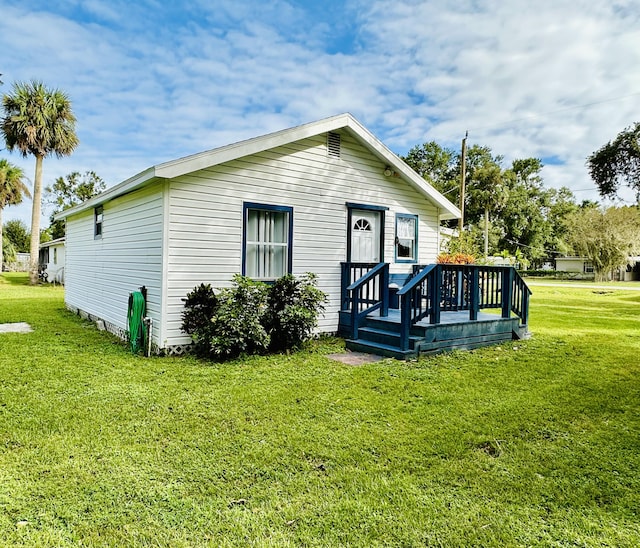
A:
x: 51, y: 261
x: 305, y: 199
x: 21, y: 263
x: 446, y: 235
x: 580, y: 265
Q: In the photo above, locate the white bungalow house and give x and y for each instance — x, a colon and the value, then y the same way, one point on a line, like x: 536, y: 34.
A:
x: 305, y: 199
x: 51, y: 261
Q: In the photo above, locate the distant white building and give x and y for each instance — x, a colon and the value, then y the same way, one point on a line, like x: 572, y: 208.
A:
x: 52, y: 260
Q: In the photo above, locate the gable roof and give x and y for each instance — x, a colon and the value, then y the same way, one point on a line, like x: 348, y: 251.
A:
x: 209, y: 158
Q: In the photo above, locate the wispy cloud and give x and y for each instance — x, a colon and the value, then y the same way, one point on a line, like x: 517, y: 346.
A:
x: 152, y: 81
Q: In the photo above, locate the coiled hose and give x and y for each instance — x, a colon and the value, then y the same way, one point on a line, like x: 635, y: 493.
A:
x: 137, y: 329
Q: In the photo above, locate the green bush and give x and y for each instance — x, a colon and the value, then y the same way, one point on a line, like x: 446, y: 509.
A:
x: 252, y: 317
x: 237, y: 322
x: 199, y: 307
x: 293, y: 308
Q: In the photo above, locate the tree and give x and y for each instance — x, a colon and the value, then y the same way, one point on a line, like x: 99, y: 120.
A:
x: 607, y: 237
x: 40, y: 122
x: 8, y: 251
x: 438, y: 166
x: 69, y: 191
x: 12, y: 189
x: 617, y: 162
x: 17, y: 233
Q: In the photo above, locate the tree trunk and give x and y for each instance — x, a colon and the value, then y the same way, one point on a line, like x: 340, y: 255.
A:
x: 35, y: 223
x: 486, y: 232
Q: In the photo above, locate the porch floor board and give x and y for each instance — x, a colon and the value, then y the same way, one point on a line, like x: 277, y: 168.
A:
x: 460, y: 316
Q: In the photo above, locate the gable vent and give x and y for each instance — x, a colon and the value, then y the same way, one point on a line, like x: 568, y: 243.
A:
x: 333, y: 145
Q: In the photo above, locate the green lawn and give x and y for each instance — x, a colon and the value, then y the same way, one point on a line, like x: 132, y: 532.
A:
x: 535, y: 443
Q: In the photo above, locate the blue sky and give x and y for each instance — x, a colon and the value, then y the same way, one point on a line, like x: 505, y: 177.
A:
x: 152, y: 81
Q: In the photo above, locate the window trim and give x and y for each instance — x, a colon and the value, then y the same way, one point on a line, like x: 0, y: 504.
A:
x: 365, y: 207
x: 246, y: 206
x: 98, y: 221
x: 415, y: 239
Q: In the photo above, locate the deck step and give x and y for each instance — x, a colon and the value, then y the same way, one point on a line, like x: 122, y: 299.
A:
x: 379, y: 349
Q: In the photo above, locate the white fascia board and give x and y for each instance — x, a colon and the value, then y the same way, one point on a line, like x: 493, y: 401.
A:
x: 203, y: 160
x: 124, y: 187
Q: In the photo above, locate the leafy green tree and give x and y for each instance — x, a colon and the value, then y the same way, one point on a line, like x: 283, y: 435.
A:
x: 607, y: 237
x: 525, y: 216
x: 617, y: 163
x: 438, y: 166
x: 12, y: 189
x: 69, y: 191
x: 8, y: 251
x: 18, y: 234
x: 38, y: 121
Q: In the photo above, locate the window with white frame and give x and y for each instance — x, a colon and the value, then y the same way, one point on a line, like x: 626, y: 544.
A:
x: 267, y: 248
x: 406, y: 238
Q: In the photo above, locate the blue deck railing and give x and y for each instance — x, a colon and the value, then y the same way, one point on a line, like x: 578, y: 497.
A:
x: 433, y: 289
x: 368, y: 293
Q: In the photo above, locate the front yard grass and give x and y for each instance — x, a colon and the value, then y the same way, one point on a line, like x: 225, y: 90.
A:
x: 534, y: 443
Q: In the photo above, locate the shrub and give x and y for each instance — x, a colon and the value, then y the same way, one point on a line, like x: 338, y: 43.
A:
x: 293, y: 308
x: 237, y: 322
x: 455, y: 258
x: 199, y: 307
x: 251, y: 317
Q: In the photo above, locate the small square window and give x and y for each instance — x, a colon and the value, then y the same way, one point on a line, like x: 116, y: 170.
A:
x: 406, y: 238
x: 97, y: 222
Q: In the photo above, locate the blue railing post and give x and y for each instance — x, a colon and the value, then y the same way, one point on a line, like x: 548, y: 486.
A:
x: 344, y: 283
x: 405, y: 320
x: 436, y: 292
x: 507, y: 291
x: 384, y: 293
x: 474, y: 293
x: 355, y: 305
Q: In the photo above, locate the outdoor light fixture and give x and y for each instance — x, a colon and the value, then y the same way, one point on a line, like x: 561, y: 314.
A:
x: 387, y: 172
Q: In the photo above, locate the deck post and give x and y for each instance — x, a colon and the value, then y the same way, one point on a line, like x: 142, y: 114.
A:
x: 344, y: 283
x: 436, y: 293
x: 405, y: 321
x: 507, y: 291
x: 355, y: 306
x: 525, y: 308
x: 474, y: 296
x: 384, y: 290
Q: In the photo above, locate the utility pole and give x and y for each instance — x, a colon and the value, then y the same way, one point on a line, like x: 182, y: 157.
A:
x: 463, y: 176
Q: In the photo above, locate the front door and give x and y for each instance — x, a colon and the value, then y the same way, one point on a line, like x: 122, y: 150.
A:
x: 365, y: 236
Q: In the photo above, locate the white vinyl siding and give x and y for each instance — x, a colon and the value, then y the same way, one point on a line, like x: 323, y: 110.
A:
x: 206, y: 217
x: 100, y: 273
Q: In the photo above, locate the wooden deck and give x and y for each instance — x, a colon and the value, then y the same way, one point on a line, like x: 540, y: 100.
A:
x: 381, y: 335
x: 438, y: 311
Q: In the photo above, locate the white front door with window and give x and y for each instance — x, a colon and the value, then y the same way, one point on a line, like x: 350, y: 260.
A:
x: 365, y: 236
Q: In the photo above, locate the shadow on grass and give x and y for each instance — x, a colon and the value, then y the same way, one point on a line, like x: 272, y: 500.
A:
x: 14, y: 278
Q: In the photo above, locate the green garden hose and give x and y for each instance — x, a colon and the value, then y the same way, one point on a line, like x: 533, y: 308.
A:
x: 137, y: 329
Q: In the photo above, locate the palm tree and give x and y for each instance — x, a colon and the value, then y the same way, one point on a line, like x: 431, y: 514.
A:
x: 12, y: 189
x: 38, y: 121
